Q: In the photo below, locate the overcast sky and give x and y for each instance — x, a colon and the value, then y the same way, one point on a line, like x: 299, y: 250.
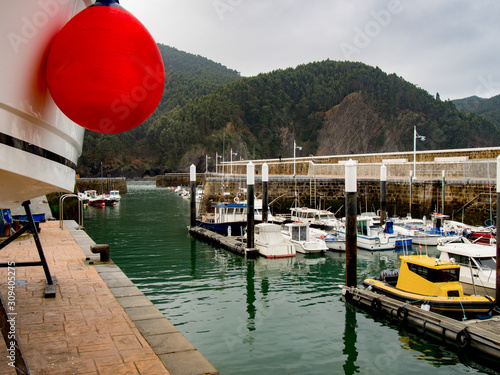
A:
x: 446, y: 46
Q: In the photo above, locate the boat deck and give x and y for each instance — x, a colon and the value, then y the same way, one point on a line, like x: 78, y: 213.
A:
x: 98, y: 323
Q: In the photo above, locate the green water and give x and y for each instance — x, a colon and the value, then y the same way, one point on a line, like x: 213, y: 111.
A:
x: 259, y: 316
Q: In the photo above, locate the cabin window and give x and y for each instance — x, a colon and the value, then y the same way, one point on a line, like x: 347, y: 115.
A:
x: 435, y: 275
x: 453, y: 293
x: 460, y: 259
x: 486, y: 263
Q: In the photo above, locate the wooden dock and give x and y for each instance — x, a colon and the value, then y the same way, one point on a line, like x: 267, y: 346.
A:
x: 480, y: 335
x: 233, y: 244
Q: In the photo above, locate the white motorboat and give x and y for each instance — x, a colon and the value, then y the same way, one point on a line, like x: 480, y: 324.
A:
x: 417, y: 236
x: 299, y: 234
x: 333, y: 242
x: 39, y: 145
x: 322, y: 219
x: 369, y: 238
x: 374, y: 218
x: 477, y: 265
x: 270, y: 242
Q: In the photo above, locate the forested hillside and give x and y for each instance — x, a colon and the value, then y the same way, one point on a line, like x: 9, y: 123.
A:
x: 328, y: 107
x: 488, y: 108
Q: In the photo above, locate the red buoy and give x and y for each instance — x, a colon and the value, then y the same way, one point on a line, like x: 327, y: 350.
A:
x: 104, y: 69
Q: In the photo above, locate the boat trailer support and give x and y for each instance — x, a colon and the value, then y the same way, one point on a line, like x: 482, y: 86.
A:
x: 50, y: 289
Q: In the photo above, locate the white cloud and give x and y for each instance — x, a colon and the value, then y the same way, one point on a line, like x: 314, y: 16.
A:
x: 446, y: 46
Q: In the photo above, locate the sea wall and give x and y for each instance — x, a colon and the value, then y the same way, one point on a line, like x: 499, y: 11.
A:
x: 98, y: 184
x: 469, y: 190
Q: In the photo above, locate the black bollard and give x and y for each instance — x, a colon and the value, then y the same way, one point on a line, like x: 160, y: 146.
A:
x: 192, y: 182
x: 265, y: 196
x: 351, y: 241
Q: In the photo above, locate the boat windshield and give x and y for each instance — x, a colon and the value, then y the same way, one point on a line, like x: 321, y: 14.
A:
x: 436, y: 275
x: 326, y: 216
x: 486, y: 263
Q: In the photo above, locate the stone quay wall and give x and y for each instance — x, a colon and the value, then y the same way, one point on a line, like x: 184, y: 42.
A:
x: 470, y: 183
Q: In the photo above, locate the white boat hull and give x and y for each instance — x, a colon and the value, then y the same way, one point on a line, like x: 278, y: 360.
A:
x: 39, y: 145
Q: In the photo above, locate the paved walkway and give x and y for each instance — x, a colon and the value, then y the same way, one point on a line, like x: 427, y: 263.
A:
x: 98, y: 323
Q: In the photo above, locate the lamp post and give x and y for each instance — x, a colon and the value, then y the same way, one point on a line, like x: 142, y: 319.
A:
x: 232, y: 153
x: 206, y: 162
x: 422, y: 138
x: 295, y: 147
x: 217, y: 156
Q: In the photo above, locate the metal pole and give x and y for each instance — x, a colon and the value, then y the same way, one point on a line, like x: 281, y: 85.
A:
x: 497, y: 295
x: 265, y: 196
x: 442, y: 193
x: 250, y: 204
x: 415, y: 151
x: 411, y: 183
x: 192, y: 180
x: 383, y: 194
x: 351, y: 223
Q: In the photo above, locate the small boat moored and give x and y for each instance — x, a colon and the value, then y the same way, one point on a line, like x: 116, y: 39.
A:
x: 271, y: 243
x: 299, y: 234
x: 431, y: 284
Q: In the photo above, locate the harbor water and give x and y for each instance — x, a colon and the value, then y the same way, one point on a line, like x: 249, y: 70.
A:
x: 261, y: 316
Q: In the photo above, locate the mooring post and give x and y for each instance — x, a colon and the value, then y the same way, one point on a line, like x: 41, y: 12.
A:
x: 411, y: 183
x: 351, y: 242
x: 265, y: 196
x: 383, y: 194
x: 442, y: 193
x: 497, y: 295
x: 250, y: 204
x: 192, y: 182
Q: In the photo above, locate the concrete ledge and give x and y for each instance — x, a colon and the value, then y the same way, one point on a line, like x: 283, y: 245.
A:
x: 177, y: 354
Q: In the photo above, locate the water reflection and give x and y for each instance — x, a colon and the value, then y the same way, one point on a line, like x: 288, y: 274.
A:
x: 257, y: 316
x: 350, y: 338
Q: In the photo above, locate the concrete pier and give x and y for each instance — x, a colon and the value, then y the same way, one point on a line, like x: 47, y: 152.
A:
x: 98, y: 323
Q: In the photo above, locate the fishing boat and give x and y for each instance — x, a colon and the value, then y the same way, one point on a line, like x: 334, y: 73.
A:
x: 299, y: 234
x: 229, y: 219
x: 322, y: 219
x: 39, y: 145
x: 373, y: 239
x: 477, y: 265
x: 431, y: 283
x: 115, y: 194
x: 270, y: 242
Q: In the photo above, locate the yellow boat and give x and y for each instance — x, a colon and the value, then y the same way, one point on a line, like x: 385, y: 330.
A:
x: 428, y: 281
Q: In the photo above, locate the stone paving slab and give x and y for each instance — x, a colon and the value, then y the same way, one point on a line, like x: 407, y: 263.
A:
x: 98, y: 323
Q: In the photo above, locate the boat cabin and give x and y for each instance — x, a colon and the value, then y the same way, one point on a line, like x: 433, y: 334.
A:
x: 297, y: 231
x: 429, y: 276
x: 229, y: 212
x: 363, y: 226
x: 303, y: 214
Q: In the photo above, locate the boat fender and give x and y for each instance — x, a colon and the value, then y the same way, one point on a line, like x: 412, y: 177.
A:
x: 463, y: 338
x: 402, y: 313
x: 376, y: 305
